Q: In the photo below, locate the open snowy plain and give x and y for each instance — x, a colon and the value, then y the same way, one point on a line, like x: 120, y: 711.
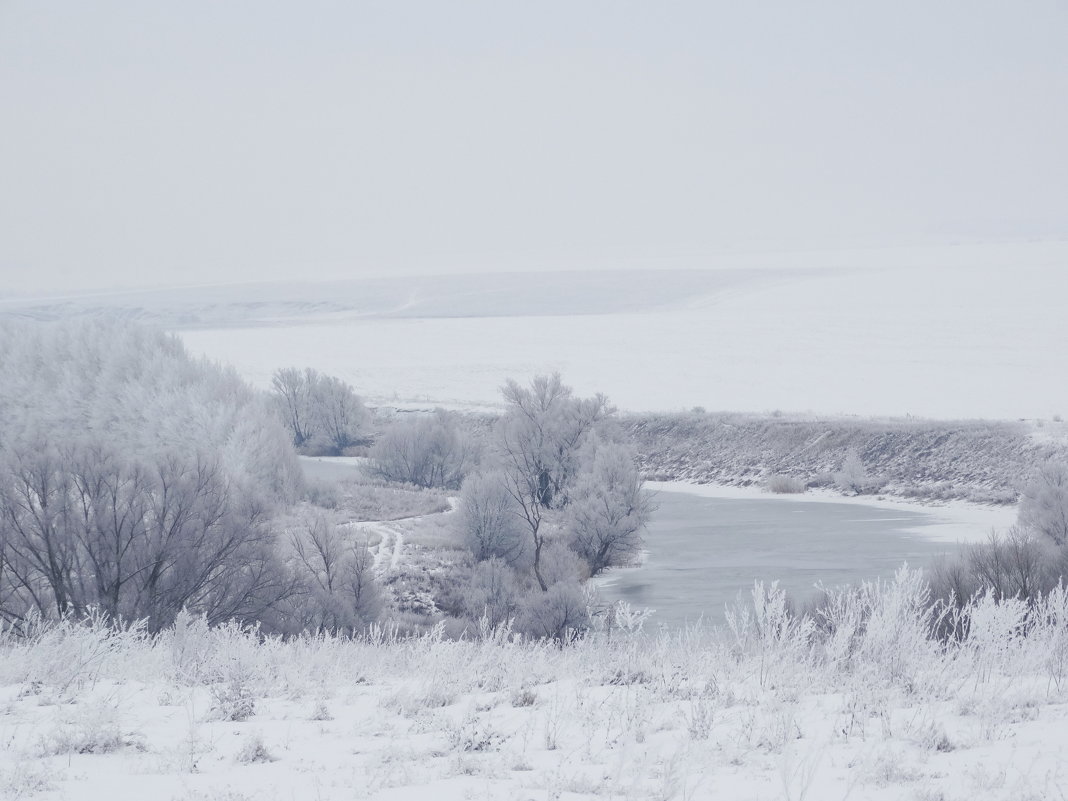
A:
x: 947, y: 332
x: 944, y: 336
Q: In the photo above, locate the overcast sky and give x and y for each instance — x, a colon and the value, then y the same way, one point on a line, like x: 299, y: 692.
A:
x: 181, y: 142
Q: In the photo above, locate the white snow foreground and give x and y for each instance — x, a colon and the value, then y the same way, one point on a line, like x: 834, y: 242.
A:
x: 862, y: 704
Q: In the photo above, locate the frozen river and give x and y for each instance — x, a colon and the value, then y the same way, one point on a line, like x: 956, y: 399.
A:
x: 701, y: 552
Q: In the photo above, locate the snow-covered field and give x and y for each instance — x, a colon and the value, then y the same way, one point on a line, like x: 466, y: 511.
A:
x: 945, y: 332
x: 938, y: 337
x: 766, y: 711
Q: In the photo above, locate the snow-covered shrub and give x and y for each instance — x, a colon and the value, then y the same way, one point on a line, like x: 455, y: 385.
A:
x: 424, y: 450
x: 559, y: 565
x: 784, y: 485
x: 853, y: 477
x: 253, y: 750
x: 325, y: 494
x: 492, y: 594
x: 26, y: 780
x: 487, y: 520
x: 898, y: 626
x: 474, y: 734
x: 89, y: 729
x: 767, y: 630
x: 1048, y: 633
x: 1044, y: 505
x: 996, y: 628
x: 190, y: 643
x: 232, y: 701
x: 69, y: 654
x: 559, y: 613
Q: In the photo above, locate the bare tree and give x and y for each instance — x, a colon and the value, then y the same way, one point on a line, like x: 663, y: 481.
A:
x: 134, y: 478
x: 292, y: 388
x: 543, y: 431
x: 41, y: 558
x: 86, y: 528
x: 337, y: 590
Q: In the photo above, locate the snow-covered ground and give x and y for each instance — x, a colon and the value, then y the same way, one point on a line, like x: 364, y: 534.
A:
x: 770, y: 712
x: 941, y: 338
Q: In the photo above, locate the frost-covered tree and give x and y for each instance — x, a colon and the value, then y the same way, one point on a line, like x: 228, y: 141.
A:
x: 1044, y: 505
x: 424, y: 450
x: 542, y: 433
x: 488, y: 521
x: 321, y: 412
x: 340, y: 416
x: 133, y: 478
x: 140, y: 393
x: 539, y: 450
x: 608, y: 508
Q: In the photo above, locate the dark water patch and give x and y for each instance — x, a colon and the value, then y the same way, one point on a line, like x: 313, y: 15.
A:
x: 703, y: 552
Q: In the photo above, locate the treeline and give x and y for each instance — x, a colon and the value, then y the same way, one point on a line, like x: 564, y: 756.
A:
x: 138, y: 481
x: 549, y: 495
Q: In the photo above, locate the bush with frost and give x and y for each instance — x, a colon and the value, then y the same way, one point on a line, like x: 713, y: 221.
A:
x: 1044, y: 504
x: 493, y: 593
x: 487, y: 520
x: 853, y: 477
x: 425, y: 450
x: 559, y: 613
x: 784, y: 485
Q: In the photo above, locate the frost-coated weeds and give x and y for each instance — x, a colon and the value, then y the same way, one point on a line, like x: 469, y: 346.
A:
x: 866, y: 697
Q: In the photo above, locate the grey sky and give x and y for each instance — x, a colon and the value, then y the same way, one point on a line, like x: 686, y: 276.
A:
x: 153, y: 142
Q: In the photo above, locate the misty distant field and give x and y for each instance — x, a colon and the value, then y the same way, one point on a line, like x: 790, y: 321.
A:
x: 979, y: 334
x: 984, y: 342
